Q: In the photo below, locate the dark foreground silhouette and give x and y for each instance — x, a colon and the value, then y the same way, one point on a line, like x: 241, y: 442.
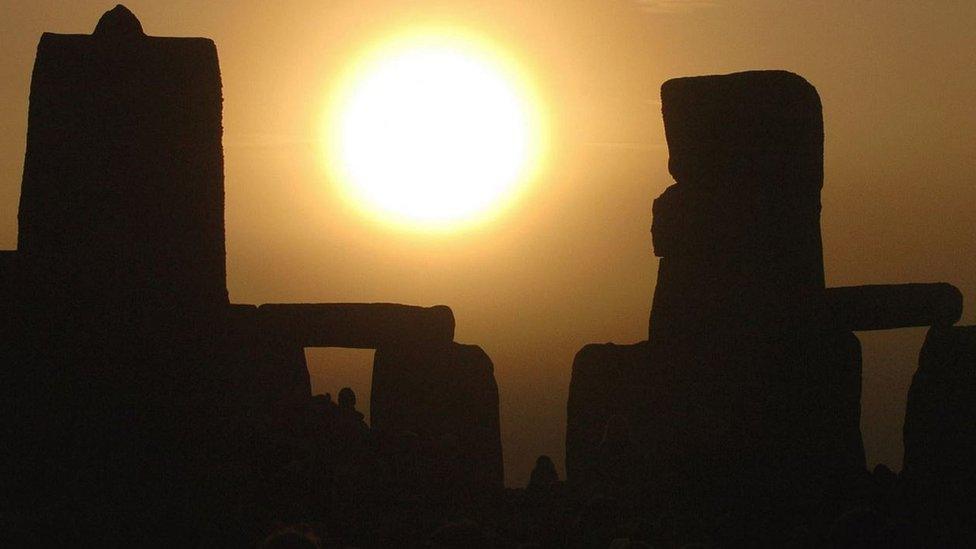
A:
x: 141, y: 408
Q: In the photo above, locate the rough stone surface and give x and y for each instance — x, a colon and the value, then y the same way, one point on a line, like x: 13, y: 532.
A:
x: 745, y: 368
x: 607, y: 379
x: 940, y: 418
x: 739, y: 310
x: 887, y: 306
x: 120, y: 277
x: 745, y: 132
x: 746, y: 151
x: 940, y: 436
x: 123, y: 192
x: 703, y: 408
x: 360, y: 325
x: 435, y: 391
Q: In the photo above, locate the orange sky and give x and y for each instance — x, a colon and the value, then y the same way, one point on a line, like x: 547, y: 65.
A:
x: 571, y: 263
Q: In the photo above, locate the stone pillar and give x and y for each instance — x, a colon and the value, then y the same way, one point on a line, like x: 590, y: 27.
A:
x: 739, y: 232
x: 607, y: 380
x: 745, y: 365
x: 940, y: 437
x: 120, y: 267
x: 439, y: 390
x: 940, y: 418
x: 740, y: 306
x: 122, y: 204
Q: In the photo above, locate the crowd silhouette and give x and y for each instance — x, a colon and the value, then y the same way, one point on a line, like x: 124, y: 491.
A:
x: 349, y: 486
x: 337, y: 483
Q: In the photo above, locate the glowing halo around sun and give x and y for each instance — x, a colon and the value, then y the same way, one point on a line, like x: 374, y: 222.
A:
x: 434, y: 131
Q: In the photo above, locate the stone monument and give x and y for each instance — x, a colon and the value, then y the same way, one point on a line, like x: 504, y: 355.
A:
x: 124, y: 362
x: 751, y: 366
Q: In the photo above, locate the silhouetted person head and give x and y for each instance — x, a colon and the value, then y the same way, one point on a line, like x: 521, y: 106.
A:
x: 347, y: 398
x: 884, y: 476
x: 544, y: 474
x: 350, y: 424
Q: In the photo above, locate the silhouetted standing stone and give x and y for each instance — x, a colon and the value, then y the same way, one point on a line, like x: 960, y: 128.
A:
x: 940, y: 436
x: 123, y: 190
x: 607, y: 379
x: 745, y: 367
x: 120, y: 266
x: 441, y: 390
x: 739, y: 233
x: 940, y: 418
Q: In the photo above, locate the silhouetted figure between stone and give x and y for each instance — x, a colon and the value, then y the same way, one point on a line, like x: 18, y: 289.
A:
x: 347, y: 401
x: 544, y: 476
x: 351, y: 424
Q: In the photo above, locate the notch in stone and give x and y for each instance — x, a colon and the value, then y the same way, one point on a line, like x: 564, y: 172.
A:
x: 119, y: 23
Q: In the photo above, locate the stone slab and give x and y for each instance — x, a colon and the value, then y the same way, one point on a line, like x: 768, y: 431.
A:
x: 359, y: 325
x: 888, y: 306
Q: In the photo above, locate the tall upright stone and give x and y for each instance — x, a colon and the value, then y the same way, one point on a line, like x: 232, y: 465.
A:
x: 740, y: 300
x: 122, y: 198
x: 442, y: 390
x: 120, y: 268
x: 739, y: 232
x: 940, y: 416
x: 940, y: 436
x: 745, y: 366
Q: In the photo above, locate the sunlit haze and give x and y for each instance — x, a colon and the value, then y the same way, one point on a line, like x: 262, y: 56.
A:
x: 433, y: 130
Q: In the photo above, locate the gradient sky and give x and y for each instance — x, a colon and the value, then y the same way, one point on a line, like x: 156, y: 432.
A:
x: 572, y: 262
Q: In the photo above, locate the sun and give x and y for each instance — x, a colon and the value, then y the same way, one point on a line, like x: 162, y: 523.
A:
x: 434, y: 131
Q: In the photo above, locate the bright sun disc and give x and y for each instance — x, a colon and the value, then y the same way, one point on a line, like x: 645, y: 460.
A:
x: 433, y: 131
